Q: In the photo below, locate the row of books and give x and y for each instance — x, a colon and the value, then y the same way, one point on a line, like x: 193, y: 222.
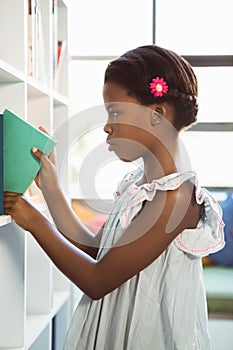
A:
x: 37, y: 59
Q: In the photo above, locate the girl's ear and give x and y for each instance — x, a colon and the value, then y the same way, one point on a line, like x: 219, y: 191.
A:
x: 157, y: 114
x: 155, y: 118
x: 159, y: 110
x: 163, y: 110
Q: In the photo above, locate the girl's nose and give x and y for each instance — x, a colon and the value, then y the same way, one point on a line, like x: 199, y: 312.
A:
x: 108, y: 128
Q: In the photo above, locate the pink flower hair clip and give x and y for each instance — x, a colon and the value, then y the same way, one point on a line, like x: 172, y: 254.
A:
x: 158, y: 87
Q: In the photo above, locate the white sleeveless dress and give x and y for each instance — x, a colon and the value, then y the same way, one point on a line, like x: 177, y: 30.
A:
x: 164, y: 306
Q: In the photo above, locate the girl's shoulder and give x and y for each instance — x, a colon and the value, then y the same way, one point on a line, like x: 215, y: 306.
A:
x: 200, y: 239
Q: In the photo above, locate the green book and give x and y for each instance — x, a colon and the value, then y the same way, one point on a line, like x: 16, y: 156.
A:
x: 19, y: 164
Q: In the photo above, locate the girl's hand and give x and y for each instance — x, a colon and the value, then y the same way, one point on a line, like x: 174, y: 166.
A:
x: 47, y: 176
x: 23, y: 213
x: 51, y: 158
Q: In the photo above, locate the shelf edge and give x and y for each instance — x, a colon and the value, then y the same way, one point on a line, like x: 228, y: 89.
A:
x: 5, y: 219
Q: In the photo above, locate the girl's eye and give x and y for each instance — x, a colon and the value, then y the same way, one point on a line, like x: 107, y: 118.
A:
x: 113, y: 114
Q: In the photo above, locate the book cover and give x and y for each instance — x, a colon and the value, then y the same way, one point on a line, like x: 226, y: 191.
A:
x: 19, y: 164
x: 1, y: 166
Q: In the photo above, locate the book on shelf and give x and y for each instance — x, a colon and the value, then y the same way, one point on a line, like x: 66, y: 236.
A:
x: 61, y: 49
x: 36, y: 46
x: 55, y: 33
x: 29, y: 38
x: 20, y: 166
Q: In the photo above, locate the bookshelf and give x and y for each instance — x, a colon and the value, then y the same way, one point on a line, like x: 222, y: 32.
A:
x: 35, y: 298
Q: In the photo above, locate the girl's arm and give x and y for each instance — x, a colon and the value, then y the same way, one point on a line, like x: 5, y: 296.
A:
x: 142, y: 242
x: 63, y: 215
x: 68, y: 223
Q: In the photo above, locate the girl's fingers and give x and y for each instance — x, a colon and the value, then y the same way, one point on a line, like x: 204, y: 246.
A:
x: 7, y: 211
x: 8, y: 207
x: 52, y: 154
x: 11, y: 194
x: 37, y: 153
x: 43, y: 129
x: 10, y: 199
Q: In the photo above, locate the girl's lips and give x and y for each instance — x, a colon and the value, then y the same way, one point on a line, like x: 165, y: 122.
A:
x: 111, y: 144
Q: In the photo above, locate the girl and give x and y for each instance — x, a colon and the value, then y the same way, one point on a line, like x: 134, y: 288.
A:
x: 142, y: 273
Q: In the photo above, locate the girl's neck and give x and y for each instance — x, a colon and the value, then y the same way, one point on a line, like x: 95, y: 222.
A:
x: 165, y: 160
x: 155, y: 169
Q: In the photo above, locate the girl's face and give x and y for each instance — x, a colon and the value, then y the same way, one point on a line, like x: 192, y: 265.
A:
x: 128, y: 123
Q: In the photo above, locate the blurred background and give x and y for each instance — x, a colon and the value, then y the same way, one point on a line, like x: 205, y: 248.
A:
x: 199, y: 30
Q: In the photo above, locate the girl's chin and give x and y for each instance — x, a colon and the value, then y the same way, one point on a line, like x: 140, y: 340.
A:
x: 125, y: 160
x: 121, y: 154
x: 124, y: 157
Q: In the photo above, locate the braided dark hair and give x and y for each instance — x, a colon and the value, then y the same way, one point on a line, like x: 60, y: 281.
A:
x: 135, y: 69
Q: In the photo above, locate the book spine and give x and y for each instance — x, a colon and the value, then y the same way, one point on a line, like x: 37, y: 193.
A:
x: 37, y: 41
x: 1, y: 166
x: 55, y: 34
x: 29, y: 38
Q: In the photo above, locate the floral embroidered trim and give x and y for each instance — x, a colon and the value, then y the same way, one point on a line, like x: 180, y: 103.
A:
x: 210, y: 249
x: 158, y: 87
